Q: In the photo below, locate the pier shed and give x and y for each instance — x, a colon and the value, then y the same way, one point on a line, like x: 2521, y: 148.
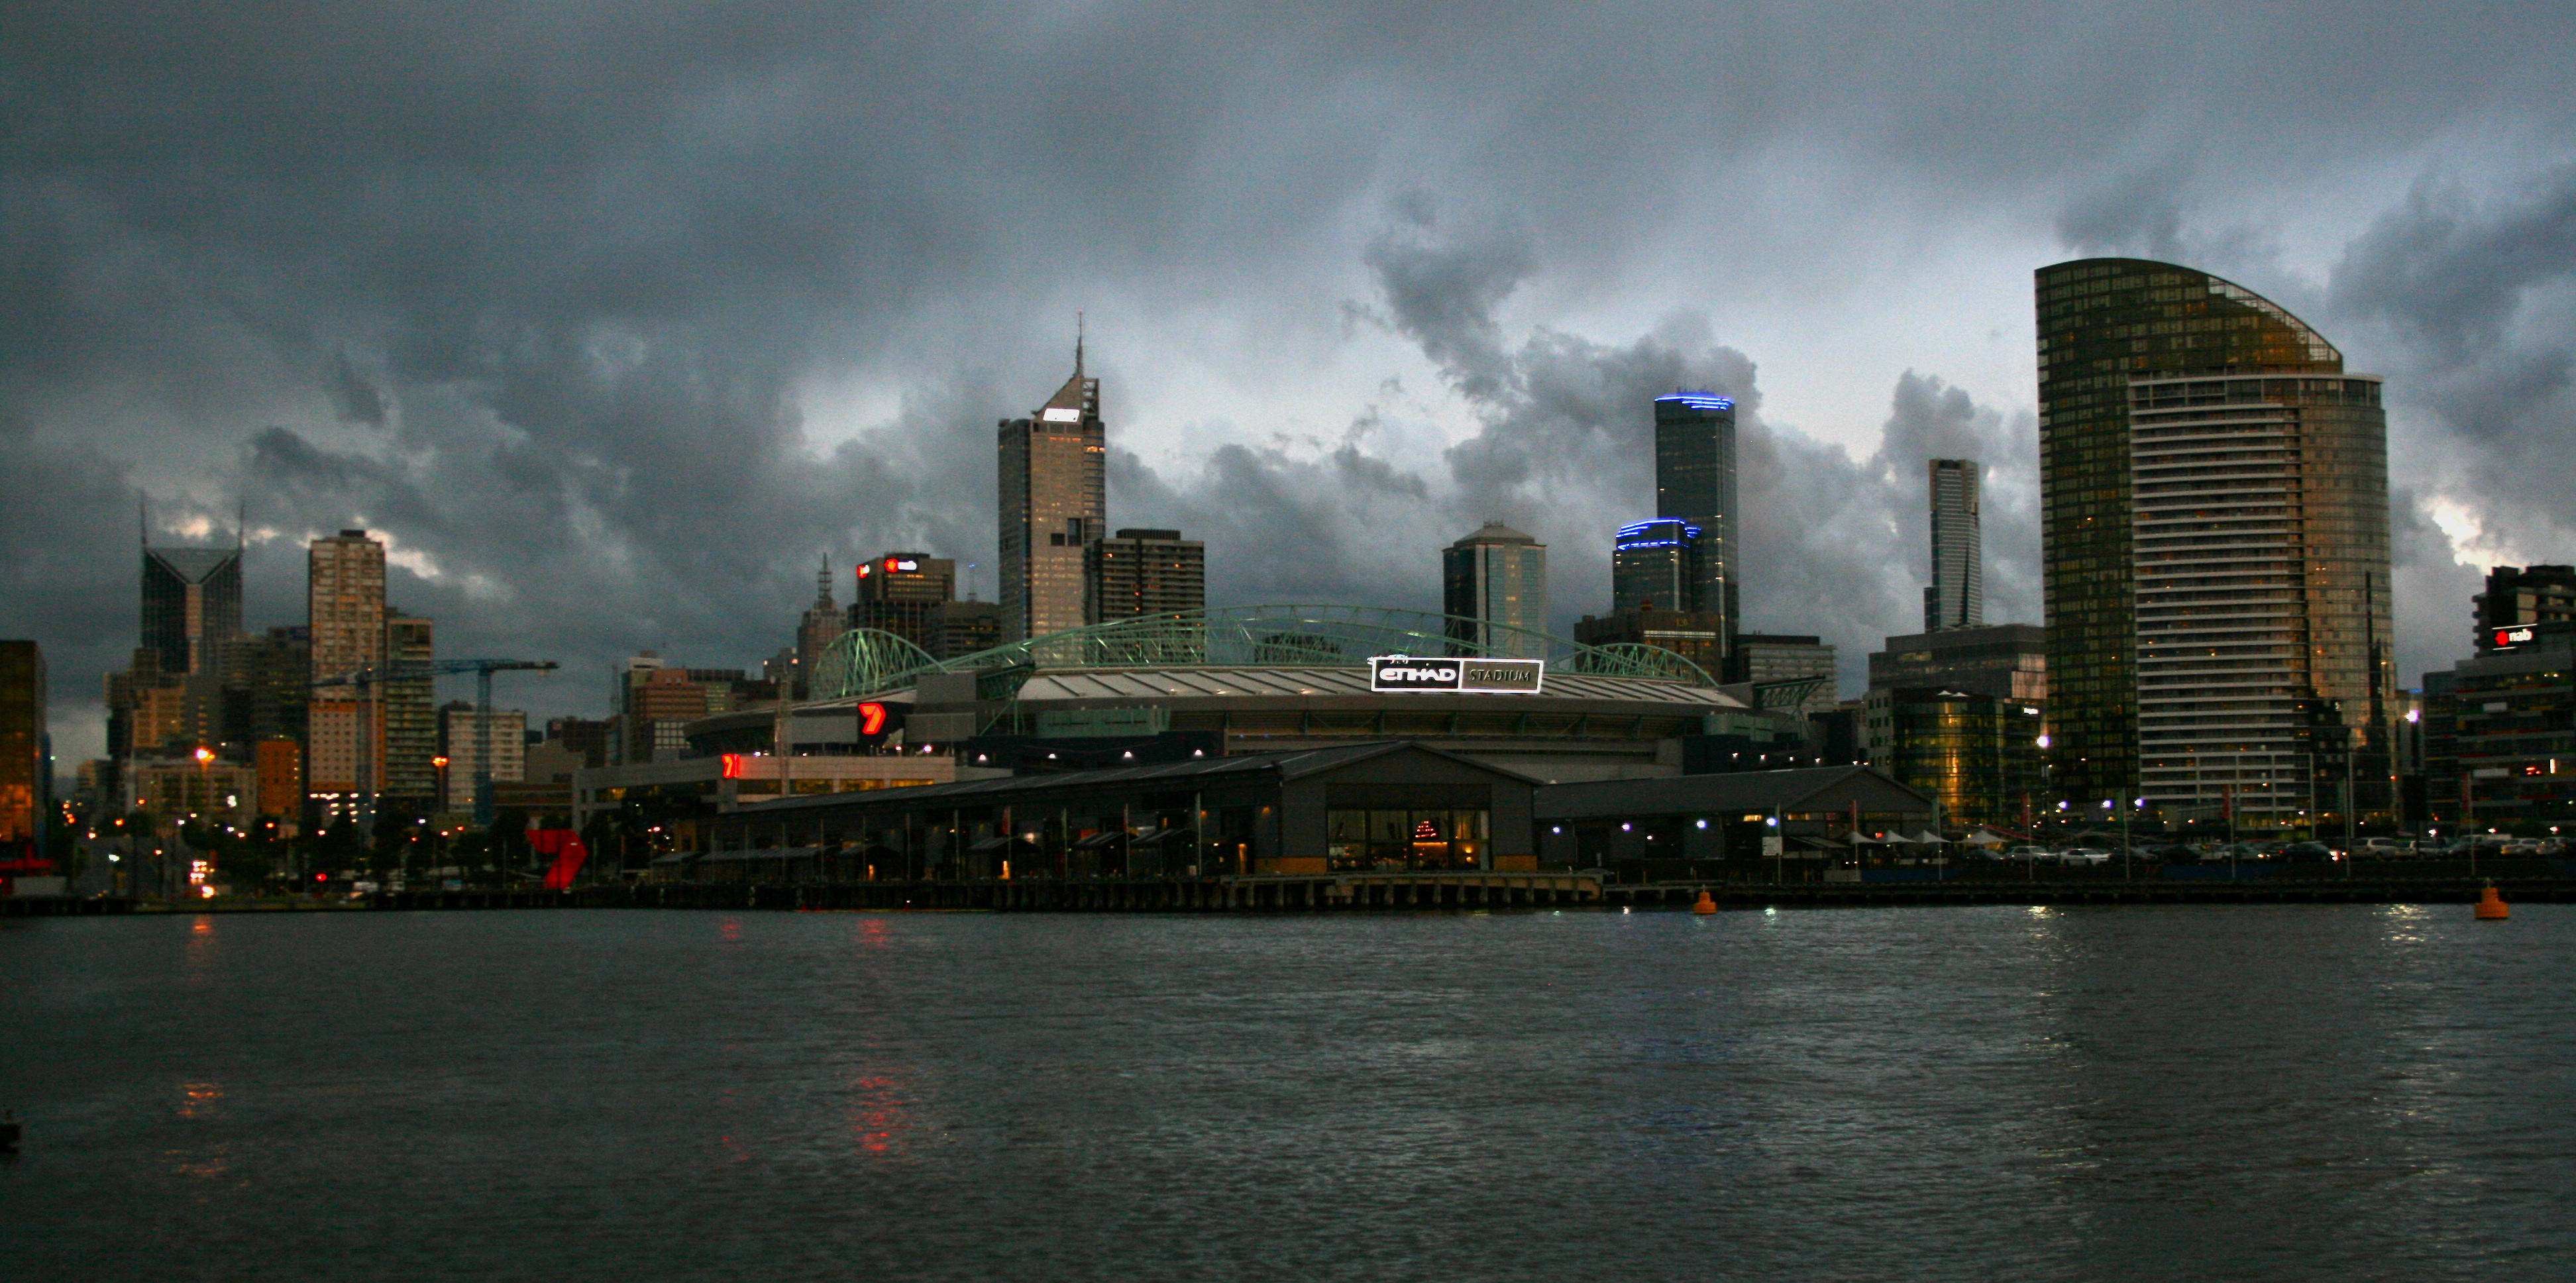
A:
x: 1816, y: 812
x: 1382, y: 807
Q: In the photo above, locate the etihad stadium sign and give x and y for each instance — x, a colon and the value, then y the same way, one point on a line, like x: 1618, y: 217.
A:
x: 1457, y: 673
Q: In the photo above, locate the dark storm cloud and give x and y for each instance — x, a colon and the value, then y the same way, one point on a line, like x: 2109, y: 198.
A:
x: 552, y: 293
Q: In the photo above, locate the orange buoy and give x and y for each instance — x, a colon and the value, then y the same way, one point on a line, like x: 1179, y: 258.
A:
x: 1705, y: 906
x: 2491, y: 907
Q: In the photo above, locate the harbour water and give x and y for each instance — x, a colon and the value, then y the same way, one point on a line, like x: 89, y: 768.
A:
x: 2278, y: 1092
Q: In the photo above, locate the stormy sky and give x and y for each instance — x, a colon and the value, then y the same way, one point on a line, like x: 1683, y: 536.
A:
x: 616, y: 319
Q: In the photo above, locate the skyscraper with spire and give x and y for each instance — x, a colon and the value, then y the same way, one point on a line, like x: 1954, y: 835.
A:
x: 192, y: 604
x: 1957, y: 595
x: 822, y: 624
x: 1054, y: 504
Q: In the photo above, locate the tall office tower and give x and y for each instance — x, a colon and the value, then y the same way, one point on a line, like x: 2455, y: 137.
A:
x: 1654, y: 565
x: 1695, y: 482
x: 461, y: 740
x: 1490, y: 582
x: 1803, y: 665
x: 267, y: 681
x: 409, y: 711
x: 900, y: 592
x: 1145, y: 572
x: 345, y: 623
x: 1957, y: 595
x: 816, y: 630
x: 2214, y: 534
x: 2519, y: 595
x: 192, y: 605
x: 26, y: 754
x: 1054, y: 503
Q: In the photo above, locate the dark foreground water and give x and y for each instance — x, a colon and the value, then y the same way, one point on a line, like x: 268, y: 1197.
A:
x: 2296, y: 1092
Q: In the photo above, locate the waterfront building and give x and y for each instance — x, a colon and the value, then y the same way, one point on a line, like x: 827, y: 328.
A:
x: 1956, y: 597
x: 1695, y: 484
x: 1977, y: 754
x: 1054, y: 504
x: 26, y: 752
x: 2500, y: 733
x: 1802, y: 666
x: 192, y: 605
x: 901, y: 593
x: 2214, y: 532
x: 345, y: 630
x: 1144, y: 573
x: 177, y: 788
x: 2003, y: 661
x: 278, y: 767
x: 461, y: 743
x: 1494, y: 589
x: 267, y: 681
x: 2518, y: 595
x: 407, y: 701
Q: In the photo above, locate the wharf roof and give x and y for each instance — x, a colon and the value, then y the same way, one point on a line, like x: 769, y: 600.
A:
x: 1739, y: 791
x: 1288, y: 766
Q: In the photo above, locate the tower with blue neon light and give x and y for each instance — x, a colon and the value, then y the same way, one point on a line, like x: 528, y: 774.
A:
x: 1695, y: 485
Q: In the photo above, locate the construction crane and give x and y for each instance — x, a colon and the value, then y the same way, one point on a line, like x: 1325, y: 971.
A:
x: 414, y: 670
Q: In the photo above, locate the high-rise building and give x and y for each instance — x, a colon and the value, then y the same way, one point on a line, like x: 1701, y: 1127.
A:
x: 268, y: 679
x: 1494, y: 588
x: 279, y: 766
x: 1977, y: 754
x: 1695, y: 483
x: 901, y: 593
x: 2003, y: 661
x: 1774, y: 660
x: 2518, y: 595
x: 1654, y: 565
x: 1145, y: 572
x: 408, y: 711
x: 461, y: 741
x: 821, y: 624
x: 345, y: 619
x: 26, y: 753
x: 1956, y: 597
x: 1054, y: 503
x: 2214, y: 532
x: 192, y: 605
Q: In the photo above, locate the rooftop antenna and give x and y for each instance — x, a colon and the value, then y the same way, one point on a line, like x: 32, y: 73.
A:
x: 823, y: 581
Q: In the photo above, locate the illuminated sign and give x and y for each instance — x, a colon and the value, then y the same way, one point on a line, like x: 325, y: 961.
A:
x: 906, y: 564
x: 872, y: 719
x: 2512, y: 636
x: 1700, y: 400
x: 1060, y: 414
x: 864, y: 568
x: 1457, y: 673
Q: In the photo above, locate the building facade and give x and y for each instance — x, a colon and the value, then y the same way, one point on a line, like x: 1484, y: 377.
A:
x: 1054, y: 504
x: 1979, y: 755
x: 2214, y: 530
x: 409, y: 716
x: 1764, y: 660
x: 461, y: 740
x: 1956, y: 597
x: 815, y: 629
x: 2519, y: 595
x: 1695, y: 484
x: 2004, y: 661
x: 1495, y: 576
x: 1654, y: 565
x: 1141, y: 573
x: 345, y: 625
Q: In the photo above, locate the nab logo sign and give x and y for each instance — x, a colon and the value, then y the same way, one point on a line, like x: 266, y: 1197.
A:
x: 1401, y: 673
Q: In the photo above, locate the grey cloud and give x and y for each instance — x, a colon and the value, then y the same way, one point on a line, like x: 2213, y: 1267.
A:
x: 358, y: 400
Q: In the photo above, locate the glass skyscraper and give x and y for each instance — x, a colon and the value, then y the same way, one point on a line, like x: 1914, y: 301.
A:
x: 2214, y: 531
x: 1054, y: 504
x: 1957, y: 595
x: 1495, y: 576
x: 192, y: 605
x: 1695, y: 484
x: 1654, y: 565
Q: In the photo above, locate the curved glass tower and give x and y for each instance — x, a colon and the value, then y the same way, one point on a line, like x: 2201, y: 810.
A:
x: 2214, y: 532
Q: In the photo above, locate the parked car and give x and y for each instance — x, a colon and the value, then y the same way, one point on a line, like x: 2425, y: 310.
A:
x: 2025, y: 853
x: 2522, y: 846
x: 2178, y: 853
x: 2083, y: 855
x: 2307, y: 852
x: 2382, y: 848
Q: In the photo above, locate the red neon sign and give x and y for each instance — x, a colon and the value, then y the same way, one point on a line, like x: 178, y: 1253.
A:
x: 733, y: 766
x: 872, y: 718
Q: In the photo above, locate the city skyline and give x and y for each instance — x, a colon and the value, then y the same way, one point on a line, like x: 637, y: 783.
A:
x: 789, y: 323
